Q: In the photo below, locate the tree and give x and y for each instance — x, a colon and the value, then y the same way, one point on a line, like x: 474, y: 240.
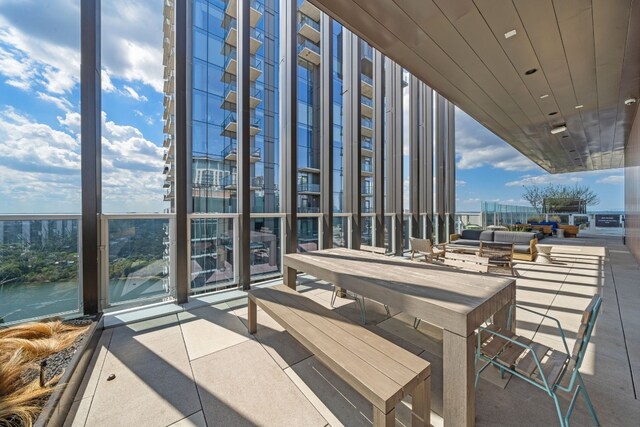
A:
x: 558, y: 196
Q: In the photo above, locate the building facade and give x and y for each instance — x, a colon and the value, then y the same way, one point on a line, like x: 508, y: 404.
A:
x: 348, y: 136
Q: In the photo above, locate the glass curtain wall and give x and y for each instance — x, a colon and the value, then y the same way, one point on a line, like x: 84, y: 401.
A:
x: 340, y: 224
x: 308, y: 125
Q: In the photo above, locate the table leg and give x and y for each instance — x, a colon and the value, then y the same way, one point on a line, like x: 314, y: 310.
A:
x: 459, y: 398
x: 421, y: 405
x: 289, y: 277
x: 252, y: 316
x: 380, y: 419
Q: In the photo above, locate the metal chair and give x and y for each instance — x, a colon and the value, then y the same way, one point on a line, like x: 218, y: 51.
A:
x: 537, y: 364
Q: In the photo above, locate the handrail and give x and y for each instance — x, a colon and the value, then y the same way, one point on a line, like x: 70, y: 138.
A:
x: 38, y: 217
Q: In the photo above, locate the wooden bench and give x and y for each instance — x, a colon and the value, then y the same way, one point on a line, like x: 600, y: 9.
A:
x: 467, y: 262
x: 499, y: 254
x: 379, y: 370
x: 570, y: 230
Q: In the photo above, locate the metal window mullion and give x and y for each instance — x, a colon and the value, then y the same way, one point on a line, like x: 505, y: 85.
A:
x: 91, y: 153
x: 244, y: 145
x: 289, y: 121
x: 440, y: 167
x: 326, y: 129
x: 398, y: 174
x: 451, y: 167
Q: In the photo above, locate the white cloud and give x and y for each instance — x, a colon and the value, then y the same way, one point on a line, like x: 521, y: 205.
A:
x: 131, y: 93
x: 611, y: 179
x: 105, y: 80
x: 40, y: 44
x: 59, y: 102
x: 545, y: 179
x: 460, y: 182
x: 476, y: 147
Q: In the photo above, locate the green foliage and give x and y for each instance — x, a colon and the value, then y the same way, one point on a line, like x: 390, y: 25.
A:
x: 556, y: 195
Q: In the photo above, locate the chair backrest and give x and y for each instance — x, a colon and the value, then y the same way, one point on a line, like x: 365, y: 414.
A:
x: 420, y: 245
x: 467, y: 262
x: 587, y: 322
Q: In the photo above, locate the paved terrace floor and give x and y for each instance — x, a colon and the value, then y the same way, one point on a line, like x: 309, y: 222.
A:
x: 200, y: 367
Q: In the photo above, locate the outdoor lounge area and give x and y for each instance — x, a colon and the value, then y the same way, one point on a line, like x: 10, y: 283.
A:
x: 200, y: 364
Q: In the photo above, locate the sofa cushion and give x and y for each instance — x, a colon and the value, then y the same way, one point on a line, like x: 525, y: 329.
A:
x: 522, y: 249
x: 471, y: 234
x: 466, y: 242
x: 518, y: 237
x: 486, y: 236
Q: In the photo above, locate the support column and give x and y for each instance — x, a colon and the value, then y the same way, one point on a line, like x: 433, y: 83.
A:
x: 289, y: 123
x: 326, y: 129
x: 244, y: 144
x: 182, y: 154
x: 426, y: 157
x: 353, y: 133
x: 416, y: 190
x: 393, y: 142
x: 378, y: 141
x: 441, y: 133
x: 91, y: 153
x: 451, y: 168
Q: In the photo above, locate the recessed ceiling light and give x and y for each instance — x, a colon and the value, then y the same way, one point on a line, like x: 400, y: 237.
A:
x: 546, y: 95
x: 553, y: 113
x: 579, y: 106
x: 510, y: 34
x: 558, y: 129
x: 530, y: 71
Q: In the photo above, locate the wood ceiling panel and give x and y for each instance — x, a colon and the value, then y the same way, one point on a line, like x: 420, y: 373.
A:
x: 586, y: 51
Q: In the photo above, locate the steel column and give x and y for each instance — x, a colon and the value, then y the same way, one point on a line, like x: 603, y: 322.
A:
x: 440, y: 190
x: 416, y: 190
x: 244, y: 144
x: 289, y: 124
x: 183, y: 204
x: 393, y: 145
x: 91, y: 153
x: 353, y: 133
x: 451, y: 168
x: 426, y: 157
x: 326, y: 129
x: 378, y: 140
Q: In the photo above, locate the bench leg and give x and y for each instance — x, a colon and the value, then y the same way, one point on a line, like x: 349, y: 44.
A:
x: 421, y: 405
x: 380, y: 419
x: 252, y: 316
x: 289, y: 277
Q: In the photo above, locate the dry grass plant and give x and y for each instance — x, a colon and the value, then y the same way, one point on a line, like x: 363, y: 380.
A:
x: 22, y: 347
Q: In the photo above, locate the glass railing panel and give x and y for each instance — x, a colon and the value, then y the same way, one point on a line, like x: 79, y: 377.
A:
x: 340, y: 231
x: 367, y: 143
x: 308, y: 44
x: 212, y: 253
x: 139, y: 259
x: 366, y: 79
x: 366, y: 230
x: 304, y: 19
x: 39, y: 267
x: 308, y: 234
x: 265, y: 247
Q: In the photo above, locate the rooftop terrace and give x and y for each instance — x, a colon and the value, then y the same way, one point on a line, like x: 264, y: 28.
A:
x: 200, y: 366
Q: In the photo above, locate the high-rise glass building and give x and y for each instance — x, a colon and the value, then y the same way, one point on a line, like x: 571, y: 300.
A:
x: 345, y: 136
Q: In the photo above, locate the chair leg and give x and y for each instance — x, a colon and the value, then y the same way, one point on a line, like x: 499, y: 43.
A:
x: 333, y: 296
x: 363, y: 312
x: 386, y: 307
x: 588, y: 400
x: 558, y: 410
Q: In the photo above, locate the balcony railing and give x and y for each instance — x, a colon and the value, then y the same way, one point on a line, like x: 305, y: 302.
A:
x: 367, y: 167
x: 366, y: 143
x: 308, y: 209
x: 308, y: 188
x: 367, y: 51
x: 232, y: 181
x: 253, y: 91
x: 233, y: 149
x: 305, y: 20
x: 367, y: 122
x: 254, y: 62
x: 366, y: 101
x: 311, y: 46
x: 233, y: 118
x: 366, y: 79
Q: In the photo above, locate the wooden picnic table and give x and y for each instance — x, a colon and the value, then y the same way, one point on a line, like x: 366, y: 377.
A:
x: 457, y: 302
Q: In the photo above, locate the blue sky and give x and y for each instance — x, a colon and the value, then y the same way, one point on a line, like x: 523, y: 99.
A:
x: 40, y: 121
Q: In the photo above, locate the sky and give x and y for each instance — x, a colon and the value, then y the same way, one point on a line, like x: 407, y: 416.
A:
x: 40, y: 120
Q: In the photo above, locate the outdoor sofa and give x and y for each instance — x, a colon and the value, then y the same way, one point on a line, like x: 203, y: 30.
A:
x: 524, y: 243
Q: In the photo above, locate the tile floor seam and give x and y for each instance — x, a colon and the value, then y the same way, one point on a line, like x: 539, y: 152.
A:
x: 624, y: 337
x: 93, y: 394
x: 222, y: 349
x: 195, y: 383
x: 190, y: 415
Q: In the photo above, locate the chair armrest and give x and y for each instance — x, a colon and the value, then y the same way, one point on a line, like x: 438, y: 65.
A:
x: 453, y: 237
x: 443, y: 245
x: 546, y: 316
